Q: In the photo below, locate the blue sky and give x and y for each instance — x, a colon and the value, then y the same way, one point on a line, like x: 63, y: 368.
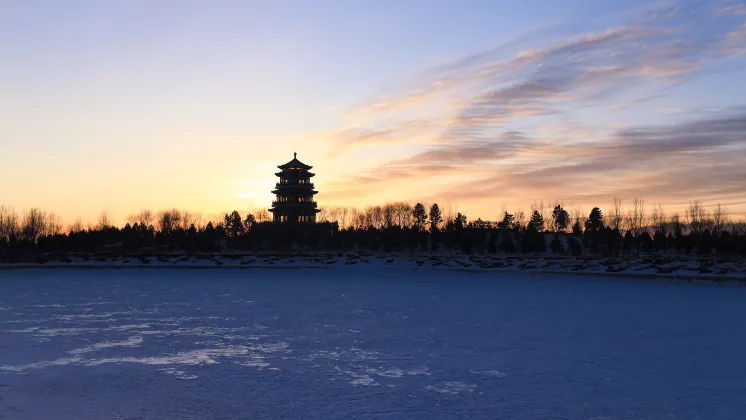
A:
x: 126, y: 105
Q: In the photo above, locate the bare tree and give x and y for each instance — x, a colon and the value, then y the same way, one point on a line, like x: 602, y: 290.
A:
x: 104, y: 221
x: 403, y: 214
x: 334, y: 214
x: 323, y: 214
x: 53, y: 225
x: 187, y: 220
x: 143, y: 218
x: 169, y: 220
x: 343, y: 217
x: 449, y: 215
x: 719, y: 218
x: 263, y: 215
x: 33, y: 225
x: 658, y: 219
x: 198, y: 220
x: 615, y: 214
x: 389, y: 211
x: 636, y: 217
x: 8, y: 222
x: 368, y: 217
x: 696, y: 216
x: 377, y: 216
x: 76, y: 226
x: 359, y: 219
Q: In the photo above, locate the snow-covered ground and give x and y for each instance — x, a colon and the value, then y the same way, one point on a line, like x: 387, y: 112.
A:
x: 351, y: 342
x: 678, y: 267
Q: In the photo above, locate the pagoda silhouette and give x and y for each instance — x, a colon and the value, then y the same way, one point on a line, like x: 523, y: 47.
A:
x: 294, y: 194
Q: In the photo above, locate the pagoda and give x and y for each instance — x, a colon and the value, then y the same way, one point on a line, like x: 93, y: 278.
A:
x: 294, y: 202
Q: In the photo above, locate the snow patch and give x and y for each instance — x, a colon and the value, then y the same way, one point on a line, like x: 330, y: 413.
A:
x: 419, y: 371
x: 388, y: 373
x: 83, y: 316
x: 255, y: 361
x: 180, y: 374
x: 26, y: 330
x: 42, y: 365
x: 493, y: 373
x: 190, y: 358
x: 281, y: 347
x: 53, y: 332
x: 130, y: 342
x: 452, y: 388
x: 359, y: 378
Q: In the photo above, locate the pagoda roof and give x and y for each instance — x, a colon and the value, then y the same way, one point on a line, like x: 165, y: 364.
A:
x: 295, y: 163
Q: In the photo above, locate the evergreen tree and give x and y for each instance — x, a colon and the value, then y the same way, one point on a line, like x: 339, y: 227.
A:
x: 560, y: 218
x: 533, y: 240
x: 233, y: 225
x: 460, y: 221
x: 595, y: 231
x: 249, y: 222
x: 537, y: 220
x: 595, y: 222
x: 420, y: 217
x: 435, y: 217
x: 577, y: 229
x: 507, y: 222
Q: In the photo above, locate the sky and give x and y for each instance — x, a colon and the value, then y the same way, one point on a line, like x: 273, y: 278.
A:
x: 477, y: 105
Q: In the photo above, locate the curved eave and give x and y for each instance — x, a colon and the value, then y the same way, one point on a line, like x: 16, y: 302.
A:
x: 314, y: 210
x: 296, y: 166
x: 279, y: 174
x: 291, y: 191
x: 295, y: 163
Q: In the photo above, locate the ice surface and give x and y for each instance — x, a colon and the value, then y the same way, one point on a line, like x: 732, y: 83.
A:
x: 362, y: 343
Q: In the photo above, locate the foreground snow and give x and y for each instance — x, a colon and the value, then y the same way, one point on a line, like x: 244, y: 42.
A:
x: 351, y: 342
x: 690, y: 268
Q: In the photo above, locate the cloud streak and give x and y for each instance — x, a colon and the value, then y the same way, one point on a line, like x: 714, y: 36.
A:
x: 494, y: 107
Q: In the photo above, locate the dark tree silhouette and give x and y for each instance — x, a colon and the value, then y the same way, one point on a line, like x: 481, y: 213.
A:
x: 420, y: 216
x: 506, y: 222
x: 460, y: 221
x: 594, y: 235
x: 595, y: 222
x: 435, y: 217
x: 37, y: 236
x: 233, y: 225
x: 577, y: 229
x: 537, y: 220
x: 560, y: 218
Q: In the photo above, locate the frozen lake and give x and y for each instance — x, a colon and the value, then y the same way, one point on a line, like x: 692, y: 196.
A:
x: 344, y: 343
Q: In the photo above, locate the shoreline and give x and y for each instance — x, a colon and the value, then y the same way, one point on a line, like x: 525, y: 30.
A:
x: 642, y: 269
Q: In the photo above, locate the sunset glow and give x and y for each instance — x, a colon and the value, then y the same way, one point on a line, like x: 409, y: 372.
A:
x: 124, y: 106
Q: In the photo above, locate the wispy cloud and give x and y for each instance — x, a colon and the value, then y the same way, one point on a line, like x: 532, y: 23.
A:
x: 733, y: 9
x: 493, y: 106
x: 701, y: 158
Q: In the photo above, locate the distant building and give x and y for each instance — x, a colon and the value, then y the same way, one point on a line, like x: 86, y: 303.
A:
x: 294, y: 194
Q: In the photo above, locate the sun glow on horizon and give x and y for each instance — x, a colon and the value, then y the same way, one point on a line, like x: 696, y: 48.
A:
x: 119, y: 107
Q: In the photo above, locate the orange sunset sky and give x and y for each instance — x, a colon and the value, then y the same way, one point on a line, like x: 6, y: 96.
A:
x: 123, y: 106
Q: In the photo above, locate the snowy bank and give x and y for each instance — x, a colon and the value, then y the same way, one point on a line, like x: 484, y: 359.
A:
x: 649, y: 267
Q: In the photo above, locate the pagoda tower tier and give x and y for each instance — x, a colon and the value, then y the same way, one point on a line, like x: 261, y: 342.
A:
x: 294, y: 193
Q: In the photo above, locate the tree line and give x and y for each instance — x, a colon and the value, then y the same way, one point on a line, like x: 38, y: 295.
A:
x: 392, y: 227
